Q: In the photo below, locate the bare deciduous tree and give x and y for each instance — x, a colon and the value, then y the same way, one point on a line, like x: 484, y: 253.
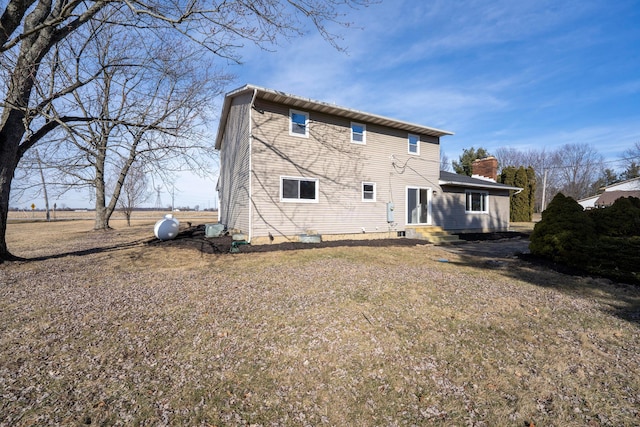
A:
x: 543, y: 163
x: 509, y: 156
x: 445, y: 163
x: 632, y: 162
x: 31, y: 31
x: 144, y: 105
x: 134, y: 192
x: 578, y: 165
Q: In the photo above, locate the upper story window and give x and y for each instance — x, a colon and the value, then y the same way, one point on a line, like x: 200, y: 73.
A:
x: 298, y: 123
x: 477, y: 202
x: 414, y: 144
x: 358, y: 133
x: 368, y: 191
x: 298, y: 189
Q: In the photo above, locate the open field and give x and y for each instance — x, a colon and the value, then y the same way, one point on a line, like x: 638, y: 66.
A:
x: 103, y: 328
x: 117, y: 218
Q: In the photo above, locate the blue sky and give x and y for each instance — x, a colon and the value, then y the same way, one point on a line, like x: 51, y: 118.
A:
x: 502, y: 73
x: 524, y: 74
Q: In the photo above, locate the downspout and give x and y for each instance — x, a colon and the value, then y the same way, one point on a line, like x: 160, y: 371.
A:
x: 253, y: 99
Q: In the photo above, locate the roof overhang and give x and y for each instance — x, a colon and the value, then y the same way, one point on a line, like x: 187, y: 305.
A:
x: 458, y: 180
x: 490, y: 185
x: 322, y: 107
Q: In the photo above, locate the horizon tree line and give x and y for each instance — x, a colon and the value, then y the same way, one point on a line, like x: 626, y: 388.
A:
x: 576, y: 170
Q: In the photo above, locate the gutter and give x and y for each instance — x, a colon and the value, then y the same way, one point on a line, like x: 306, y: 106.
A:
x: 485, y: 186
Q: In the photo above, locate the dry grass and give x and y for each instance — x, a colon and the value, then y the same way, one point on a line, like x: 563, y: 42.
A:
x: 106, y: 330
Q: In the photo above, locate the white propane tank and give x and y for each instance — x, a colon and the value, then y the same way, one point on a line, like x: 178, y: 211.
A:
x: 167, y: 228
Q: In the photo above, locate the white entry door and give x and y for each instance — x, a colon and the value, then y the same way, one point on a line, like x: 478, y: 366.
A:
x: 418, y: 205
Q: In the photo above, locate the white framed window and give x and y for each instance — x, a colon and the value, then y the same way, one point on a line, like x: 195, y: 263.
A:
x: 358, y: 133
x: 299, y: 123
x: 296, y: 189
x: 414, y: 144
x: 477, y: 201
x: 368, y: 191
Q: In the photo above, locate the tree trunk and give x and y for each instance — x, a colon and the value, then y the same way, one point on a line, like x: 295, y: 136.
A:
x: 103, y: 213
x: 12, y: 125
x: 8, y: 163
x: 6, y: 175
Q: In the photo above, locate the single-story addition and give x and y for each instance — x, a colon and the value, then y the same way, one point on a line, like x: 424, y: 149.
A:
x: 464, y: 197
x: 292, y: 167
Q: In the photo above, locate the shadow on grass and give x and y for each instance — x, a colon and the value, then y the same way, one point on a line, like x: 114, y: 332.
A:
x: 504, y: 252
x: 506, y: 255
x: 620, y: 299
x: 89, y: 251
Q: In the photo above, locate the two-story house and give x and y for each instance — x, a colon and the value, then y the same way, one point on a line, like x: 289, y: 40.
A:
x: 292, y: 166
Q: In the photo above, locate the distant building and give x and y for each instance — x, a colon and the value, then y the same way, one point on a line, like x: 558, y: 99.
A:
x: 611, y: 193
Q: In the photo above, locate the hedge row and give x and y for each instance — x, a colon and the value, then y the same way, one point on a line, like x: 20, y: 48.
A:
x: 603, y: 241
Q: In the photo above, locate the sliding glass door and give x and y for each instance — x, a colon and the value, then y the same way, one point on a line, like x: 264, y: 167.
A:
x: 418, y: 205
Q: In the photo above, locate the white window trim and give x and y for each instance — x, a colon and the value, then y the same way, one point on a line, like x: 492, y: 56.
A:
x: 364, y: 133
x: 298, y: 200
x: 417, y: 153
x: 375, y: 192
x: 306, y: 123
x: 485, y: 195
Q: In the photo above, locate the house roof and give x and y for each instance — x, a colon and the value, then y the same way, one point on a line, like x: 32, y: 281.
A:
x: 632, y: 184
x: 625, y: 183
x: 608, y: 197
x: 458, y: 180
x: 307, y: 104
x: 588, y: 202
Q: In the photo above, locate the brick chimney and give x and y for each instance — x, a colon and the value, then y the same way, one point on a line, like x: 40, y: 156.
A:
x: 487, y: 167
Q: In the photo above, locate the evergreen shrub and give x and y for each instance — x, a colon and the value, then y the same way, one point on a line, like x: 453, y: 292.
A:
x: 564, y: 234
x: 602, y: 241
x: 622, y: 219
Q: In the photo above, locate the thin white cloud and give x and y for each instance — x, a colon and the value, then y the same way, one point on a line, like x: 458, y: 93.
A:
x: 610, y: 139
x: 501, y: 74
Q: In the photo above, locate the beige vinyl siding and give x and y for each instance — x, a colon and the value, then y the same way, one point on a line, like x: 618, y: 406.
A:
x: 340, y: 167
x: 450, y: 211
x: 234, y: 167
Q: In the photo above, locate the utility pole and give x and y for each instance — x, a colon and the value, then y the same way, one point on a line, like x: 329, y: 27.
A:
x: 44, y: 186
x: 544, y: 190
